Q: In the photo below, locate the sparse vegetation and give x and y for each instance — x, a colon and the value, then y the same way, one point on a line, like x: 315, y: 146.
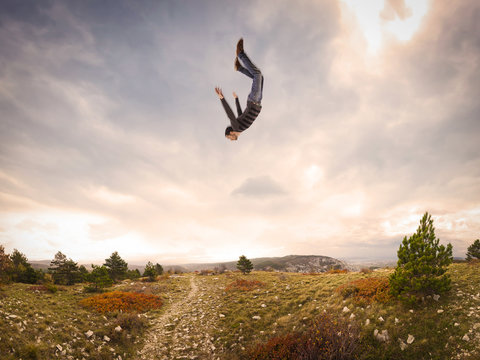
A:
x: 265, y: 315
x: 325, y: 339
x: 244, y: 285
x: 364, y: 291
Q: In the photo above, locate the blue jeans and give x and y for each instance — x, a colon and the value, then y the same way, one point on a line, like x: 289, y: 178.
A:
x: 254, y: 73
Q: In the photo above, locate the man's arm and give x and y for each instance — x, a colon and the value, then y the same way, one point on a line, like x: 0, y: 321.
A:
x: 228, y: 110
x: 237, y: 103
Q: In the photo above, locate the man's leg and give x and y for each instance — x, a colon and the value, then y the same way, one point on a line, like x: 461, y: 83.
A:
x: 239, y: 67
x: 257, y: 83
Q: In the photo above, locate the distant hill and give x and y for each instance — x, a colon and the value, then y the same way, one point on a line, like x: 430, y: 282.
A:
x: 290, y: 263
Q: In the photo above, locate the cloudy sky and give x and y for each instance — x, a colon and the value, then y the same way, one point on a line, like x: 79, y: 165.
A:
x: 111, y: 134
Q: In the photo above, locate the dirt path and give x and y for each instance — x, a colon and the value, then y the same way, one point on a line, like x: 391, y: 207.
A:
x: 183, y: 331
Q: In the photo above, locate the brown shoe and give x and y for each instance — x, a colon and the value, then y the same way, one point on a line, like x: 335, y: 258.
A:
x: 240, y: 46
x: 237, y: 64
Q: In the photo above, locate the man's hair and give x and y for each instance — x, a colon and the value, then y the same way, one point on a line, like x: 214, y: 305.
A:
x: 228, y: 130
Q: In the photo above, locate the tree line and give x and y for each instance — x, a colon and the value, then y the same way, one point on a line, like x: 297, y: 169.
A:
x: 64, y: 271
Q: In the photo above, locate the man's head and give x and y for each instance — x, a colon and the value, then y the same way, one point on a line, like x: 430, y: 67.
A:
x: 230, y: 134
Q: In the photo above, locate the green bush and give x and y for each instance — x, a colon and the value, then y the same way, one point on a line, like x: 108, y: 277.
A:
x: 421, y: 265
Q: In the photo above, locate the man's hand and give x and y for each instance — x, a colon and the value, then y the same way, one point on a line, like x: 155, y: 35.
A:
x: 235, y: 95
x: 219, y: 92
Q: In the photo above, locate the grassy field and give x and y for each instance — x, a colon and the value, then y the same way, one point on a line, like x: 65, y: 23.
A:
x: 41, y: 325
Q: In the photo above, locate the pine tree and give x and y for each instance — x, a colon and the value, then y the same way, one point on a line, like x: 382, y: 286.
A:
x: 64, y: 271
x: 159, y: 269
x: 150, y: 271
x: 6, y: 266
x: 117, y: 267
x: 421, y: 265
x: 244, y: 265
x: 99, y: 277
x: 473, y: 250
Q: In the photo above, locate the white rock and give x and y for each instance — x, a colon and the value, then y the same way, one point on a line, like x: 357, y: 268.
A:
x: 118, y: 328
x: 222, y: 316
x: 352, y: 316
x: 381, y: 336
x: 439, y: 311
x: 411, y: 311
x: 345, y: 309
x: 89, y: 333
x: 106, y: 338
x: 465, y: 338
x: 264, y: 306
x: 403, y: 346
x: 59, y: 347
x: 256, y: 317
x: 381, y: 319
x: 410, y: 339
x: 367, y: 322
x: 476, y: 326
x: 396, y: 321
x: 436, y: 297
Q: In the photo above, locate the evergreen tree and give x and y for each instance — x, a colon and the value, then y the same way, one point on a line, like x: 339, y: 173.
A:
x: 133, y: 274
x: 83, y: 272
x: 99, y: 277
x: 150, y: 271
x: 6, y: 266
x: 473, y: 250
x: 22, y: 271
x: 244, y: 265
x: 117, y: 267
x: 421, y: 265
x: 159, y: 269
x: 64, y: 271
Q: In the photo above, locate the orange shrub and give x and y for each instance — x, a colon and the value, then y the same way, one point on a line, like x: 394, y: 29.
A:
x: 244, y: 285
x: 122, y: 301
x: 337, y: 271
x: 367, y: 290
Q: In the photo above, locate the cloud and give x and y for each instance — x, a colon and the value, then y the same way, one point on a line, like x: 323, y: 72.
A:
x: 120, y: 123
x: 394, y: 8
x: 259, y: 187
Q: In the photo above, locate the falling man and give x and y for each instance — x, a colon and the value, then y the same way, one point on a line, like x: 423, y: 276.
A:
x: 247, y: 117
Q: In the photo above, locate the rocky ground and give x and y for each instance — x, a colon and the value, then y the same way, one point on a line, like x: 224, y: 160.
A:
x: 185, y: 330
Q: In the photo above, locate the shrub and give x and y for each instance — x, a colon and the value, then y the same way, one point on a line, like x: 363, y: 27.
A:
x: 421, y: 265
x: 122, y: 301
x: 367, y: 290
x: 365, y: 270
x: 337, y: 271
x: 325, y: 338
x: 244, y: 285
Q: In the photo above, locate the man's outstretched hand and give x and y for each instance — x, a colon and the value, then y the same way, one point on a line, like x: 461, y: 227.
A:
x: 235, y: 95
x: 219, y: 92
